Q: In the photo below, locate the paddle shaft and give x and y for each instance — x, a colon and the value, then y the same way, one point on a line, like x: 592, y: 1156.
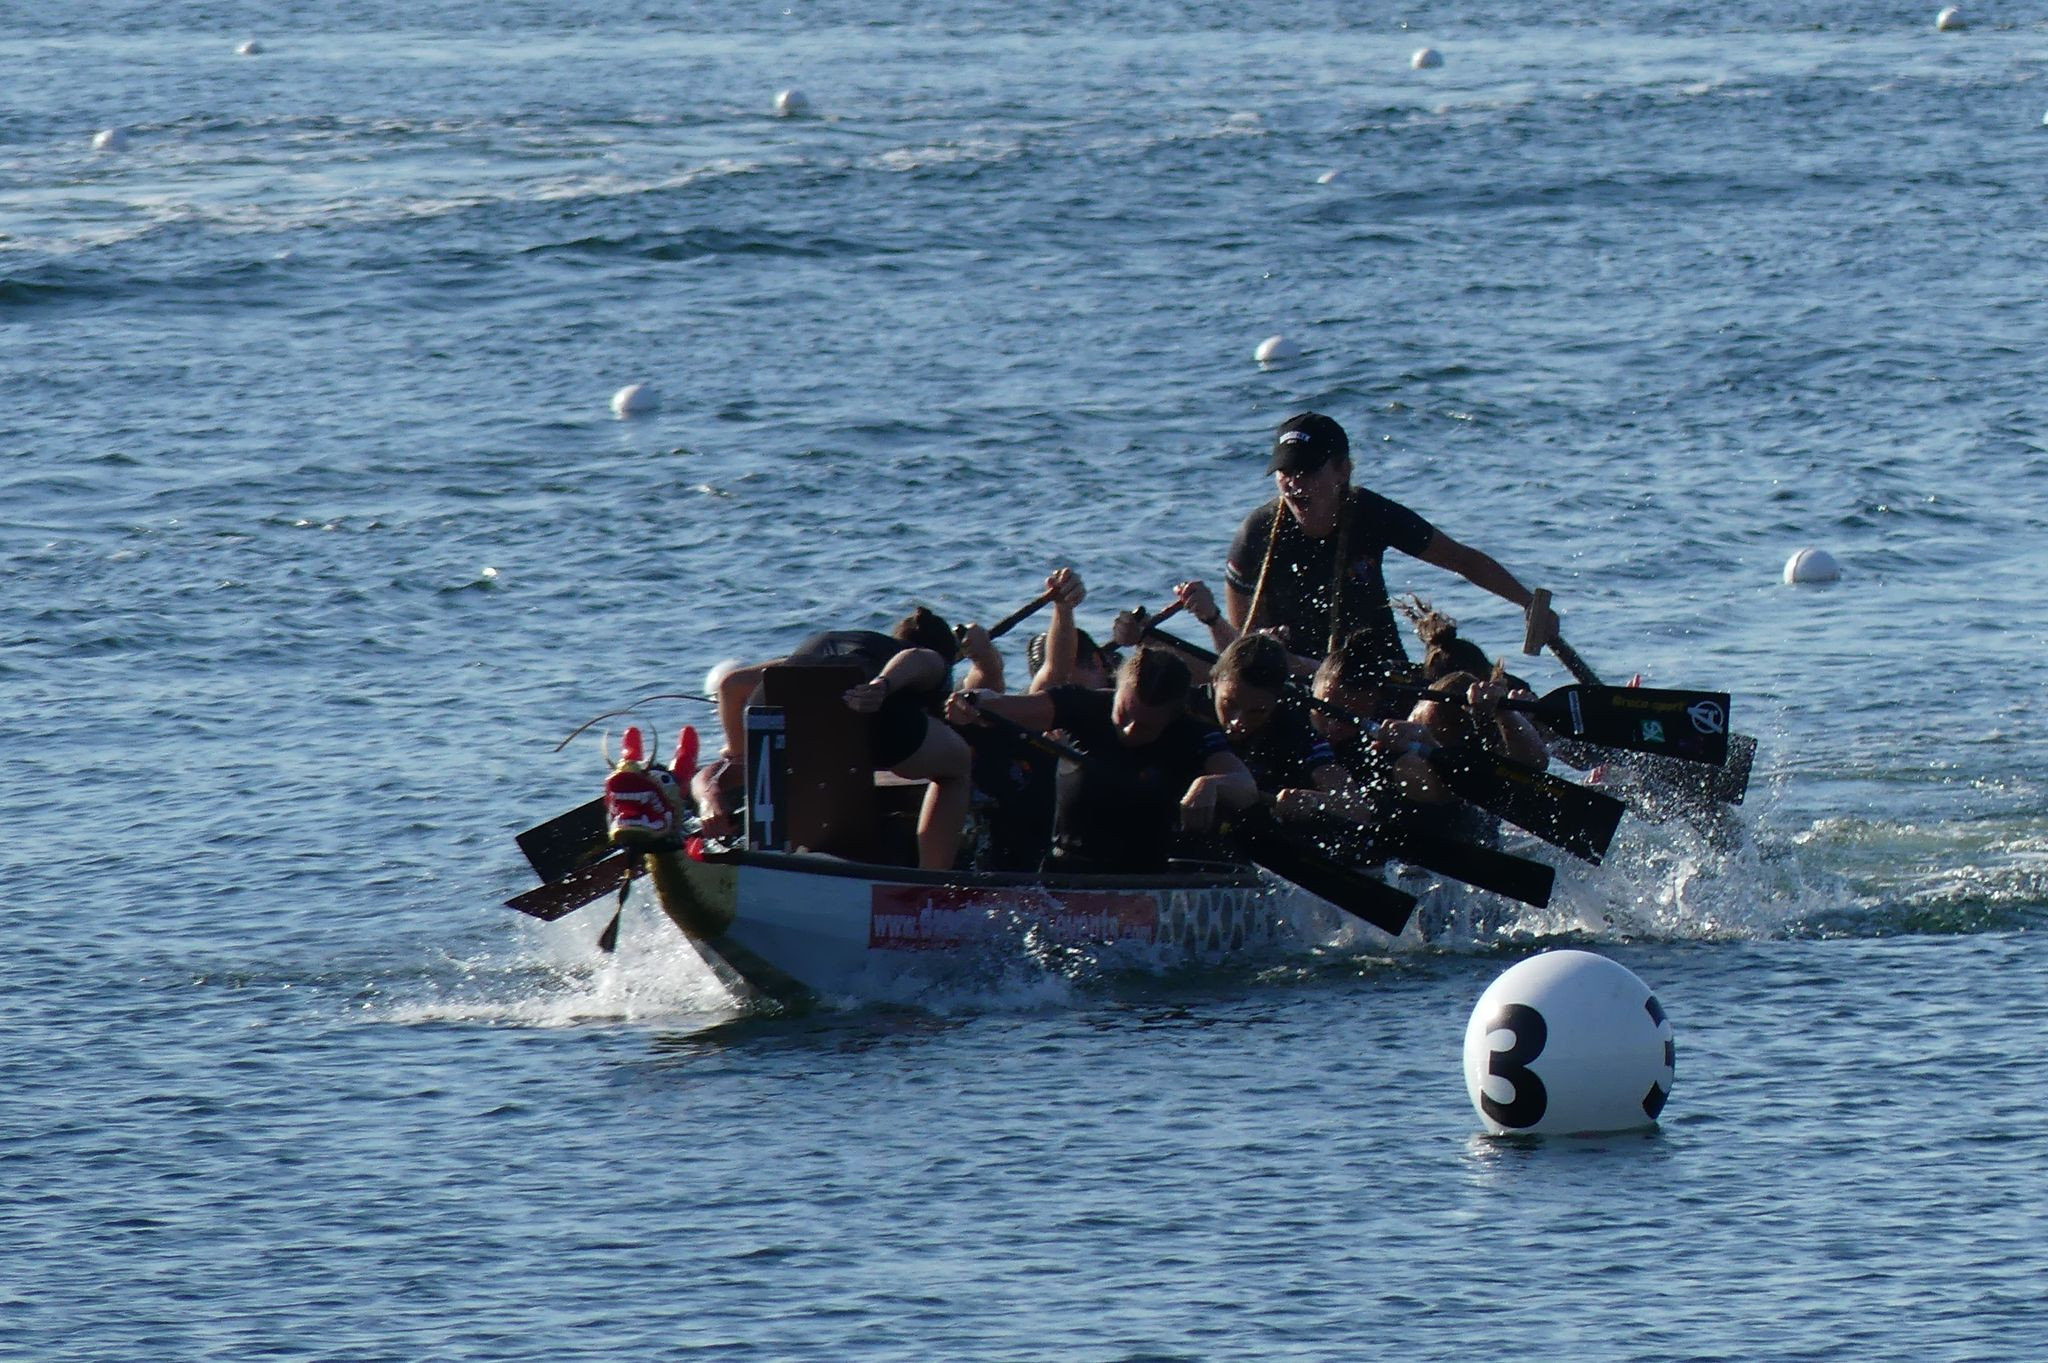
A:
x: 1018, y: 616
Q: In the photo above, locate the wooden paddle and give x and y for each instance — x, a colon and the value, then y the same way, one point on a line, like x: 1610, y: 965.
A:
x: 1364, y: 896
x: 1560, y: 812
x: 1729, y: 785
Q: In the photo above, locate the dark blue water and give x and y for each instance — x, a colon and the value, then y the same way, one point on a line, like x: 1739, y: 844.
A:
x: 316, y: 536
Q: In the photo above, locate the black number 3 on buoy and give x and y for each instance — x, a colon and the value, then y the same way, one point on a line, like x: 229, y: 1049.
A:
x: 1568, y: 1043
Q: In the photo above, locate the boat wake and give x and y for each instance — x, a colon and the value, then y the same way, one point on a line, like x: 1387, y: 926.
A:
x: 555, y: 978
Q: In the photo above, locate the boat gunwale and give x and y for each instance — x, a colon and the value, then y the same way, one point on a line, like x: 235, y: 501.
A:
x: 806, y: 863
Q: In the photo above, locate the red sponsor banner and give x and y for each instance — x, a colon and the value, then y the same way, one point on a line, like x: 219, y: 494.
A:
x: 936, y: 917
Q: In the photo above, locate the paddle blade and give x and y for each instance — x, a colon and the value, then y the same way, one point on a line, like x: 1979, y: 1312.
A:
x: 608, y: 940
x: 1690, y: 725
x: 1731, y: 783
x: 1560, y: 812
x: 566, y: 842
x: 1516, y: 877
x: 1364, y: 896
x: 573, y: 891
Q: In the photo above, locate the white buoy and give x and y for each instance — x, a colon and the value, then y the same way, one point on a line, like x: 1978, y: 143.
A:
x: 1950, y: 20
x: 791, y: 103
x: 1327, y: 176
x: 1568, y: 1044
x: 1812, y: 565
x: 1276, y: 350
x: 635, y: 399
x: 1426, y: 58
x: 249, y: 48
x: 110, y: 139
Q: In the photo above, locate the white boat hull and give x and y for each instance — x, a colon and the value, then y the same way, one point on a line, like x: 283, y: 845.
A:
x: 795, y: 925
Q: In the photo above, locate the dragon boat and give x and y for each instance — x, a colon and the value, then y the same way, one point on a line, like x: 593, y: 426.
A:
x: 807, y: 906
x: 818, y: 899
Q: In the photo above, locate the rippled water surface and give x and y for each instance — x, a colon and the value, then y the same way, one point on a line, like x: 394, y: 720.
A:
x: 317, y: 535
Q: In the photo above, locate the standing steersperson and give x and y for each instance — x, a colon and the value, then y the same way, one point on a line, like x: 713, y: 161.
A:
x: 1306, y: 565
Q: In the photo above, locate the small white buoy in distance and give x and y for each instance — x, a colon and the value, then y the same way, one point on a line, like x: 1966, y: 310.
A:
x: 110, y: 139
x: 1950, y: 20
x: 1426, y: 58
x: 249, y: 48
x: 1326, y: 177
x: 1568, y: 1044
x: 1812, y: 565
x: 635, y: 399
x: 1277, y: 350
x: 791, y: 103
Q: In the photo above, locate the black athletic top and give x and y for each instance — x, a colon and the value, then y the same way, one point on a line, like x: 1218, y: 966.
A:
x: 870, y: 649
x: 1285, y: 754
x: 1022, y: 791
x: 1302, y: 572
x: 1121, y: 811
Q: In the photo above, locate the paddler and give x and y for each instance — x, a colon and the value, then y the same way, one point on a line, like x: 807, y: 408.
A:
x: 908, y: 670
x: 1307, y: 565
x: 1295, y: 767
x: 1152, y: 768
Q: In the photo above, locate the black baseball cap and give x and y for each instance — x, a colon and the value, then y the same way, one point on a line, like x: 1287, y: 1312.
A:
x: 1307, y: 442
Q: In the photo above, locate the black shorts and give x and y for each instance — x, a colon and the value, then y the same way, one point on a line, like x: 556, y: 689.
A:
x: 897, y: 729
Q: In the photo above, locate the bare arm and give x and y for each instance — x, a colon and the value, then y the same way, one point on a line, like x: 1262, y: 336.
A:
x: 1033, y: 710
x: 1225, y: 783
x: 1481, y: 570
x: 984, y: 664
x: 913, y: 668
x: 1201, y: 604
x: 1062, y: 644
x: 1519, y: 740
x: 733, y: 689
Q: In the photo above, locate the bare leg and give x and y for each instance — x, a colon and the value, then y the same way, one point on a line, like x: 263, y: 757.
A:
x: 942, y: 759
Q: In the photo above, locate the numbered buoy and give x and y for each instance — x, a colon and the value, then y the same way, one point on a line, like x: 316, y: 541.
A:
x: 1568, y: 1044
x: 1276, y: 350
x: 1950, y: 20
x: 1426, y: 58
x: 791, y: 104
x: 1811, y: 565
x: 635, y: 399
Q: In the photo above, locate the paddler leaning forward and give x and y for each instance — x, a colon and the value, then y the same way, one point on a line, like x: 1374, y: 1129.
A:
x: 1306, y: 565
x: 1152, y: 768
x: 907, y: 670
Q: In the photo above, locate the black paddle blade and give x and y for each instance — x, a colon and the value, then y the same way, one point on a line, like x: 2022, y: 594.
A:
x: 1731, y: 783
x: 1501, y: 872
x: 608, y: 940
x: 1357, y: 893
x: 1690, y: 725
x: 573, y: 891
x: 1562, y: 813
x: 567, y: 841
